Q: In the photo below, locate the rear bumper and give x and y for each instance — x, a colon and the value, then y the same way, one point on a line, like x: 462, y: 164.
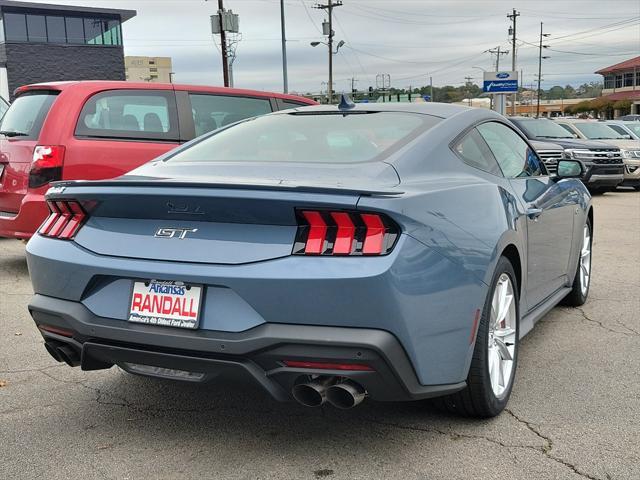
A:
x: 23, y: 224
x: 254, y: 355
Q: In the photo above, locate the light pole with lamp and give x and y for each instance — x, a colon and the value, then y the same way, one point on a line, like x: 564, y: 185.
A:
x: 331, y: 53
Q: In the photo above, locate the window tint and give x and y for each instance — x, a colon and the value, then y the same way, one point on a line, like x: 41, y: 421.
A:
x: 286, y: 104
x: 513, y: 154
x: 215, y: 111
x: 598, y: 131
x: 75, y: 30
x: 36, y: 28
x: 619, y: 129
x: 55, y: 30
x: 306, y: 138
x: 93, y: 31
x: 474, y: 151
x: 15, y: 27
x: 132, y: 114
x: 27, y: 113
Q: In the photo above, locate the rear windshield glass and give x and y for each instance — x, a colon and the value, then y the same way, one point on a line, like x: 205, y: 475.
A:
x: 325, y: 138
x: 26, y: 115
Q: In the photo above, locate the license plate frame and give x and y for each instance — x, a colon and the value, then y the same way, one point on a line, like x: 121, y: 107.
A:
x: 148, y: 296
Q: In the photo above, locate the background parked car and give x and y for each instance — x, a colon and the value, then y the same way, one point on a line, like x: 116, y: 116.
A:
x: 629, y: 146
x: 97, y: 130
x: 603, y: 163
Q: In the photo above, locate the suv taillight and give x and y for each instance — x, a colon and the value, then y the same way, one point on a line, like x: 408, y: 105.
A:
x: 327, y: 232
x: 46, y: 166
x: 64, y: 221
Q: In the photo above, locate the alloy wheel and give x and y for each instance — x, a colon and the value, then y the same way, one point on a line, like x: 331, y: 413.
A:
x: 502, y: 335
x: 585, y: 260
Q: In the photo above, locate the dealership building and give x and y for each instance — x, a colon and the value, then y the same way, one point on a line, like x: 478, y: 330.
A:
x: 622, y: 82
x: 43, y: 43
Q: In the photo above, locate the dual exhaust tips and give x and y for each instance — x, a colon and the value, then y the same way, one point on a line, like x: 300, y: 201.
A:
x: 339, y: 392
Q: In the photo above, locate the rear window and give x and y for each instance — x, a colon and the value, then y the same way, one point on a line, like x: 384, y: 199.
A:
x: 26, y: 114
x: 306, y: 138
x: 130, y: 114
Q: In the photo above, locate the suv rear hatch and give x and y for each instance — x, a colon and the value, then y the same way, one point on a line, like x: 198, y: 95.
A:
x: 19, y: 132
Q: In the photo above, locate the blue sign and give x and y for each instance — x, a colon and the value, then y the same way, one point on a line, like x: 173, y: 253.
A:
x: 427, y: 98
x: 503, y: 75
x: 500, y: 86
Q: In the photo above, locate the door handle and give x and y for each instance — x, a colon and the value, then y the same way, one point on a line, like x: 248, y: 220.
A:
x: 534, y: 213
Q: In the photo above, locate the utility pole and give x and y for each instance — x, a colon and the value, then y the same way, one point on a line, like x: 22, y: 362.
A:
x: 223, y: 44
x: 353, y: 87
x: 540, y: 57
x: 512, y: 31
x: 285, y: 80
x: 329, y: 8
x: 497, y: 52
x: 431, y: 88
x: 468, y: 79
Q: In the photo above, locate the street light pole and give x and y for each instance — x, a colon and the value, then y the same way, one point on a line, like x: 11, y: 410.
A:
x: 540, y: 57
x: 285, y: 80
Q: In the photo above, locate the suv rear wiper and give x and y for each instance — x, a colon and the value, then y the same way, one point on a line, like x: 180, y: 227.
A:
x: 8, y: 133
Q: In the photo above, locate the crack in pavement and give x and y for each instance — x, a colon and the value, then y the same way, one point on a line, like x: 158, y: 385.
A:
x: 583, y: 314
x: 548, y: 446
x: 27, y: 370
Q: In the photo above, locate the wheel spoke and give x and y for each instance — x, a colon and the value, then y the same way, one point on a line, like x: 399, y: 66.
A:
x: 503, y: 350
x: 494, y: 371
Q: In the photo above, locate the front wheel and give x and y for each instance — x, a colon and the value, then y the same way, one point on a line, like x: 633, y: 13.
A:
x: 582, y: 280
x: 495, y: 354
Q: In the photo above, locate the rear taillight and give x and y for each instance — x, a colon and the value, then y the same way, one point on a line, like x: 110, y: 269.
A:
x: 64, y: 221
x: 326, y: 232
x: 47, y: 165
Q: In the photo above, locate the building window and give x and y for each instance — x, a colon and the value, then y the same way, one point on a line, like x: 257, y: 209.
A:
x: 56, y: 32
x: 15, y: 27
x: 19, y: 27
x: 619, y: 81
x: 609, y: 81
x: 638, y: 78
x: 36, y: 28
x: 628, y: 79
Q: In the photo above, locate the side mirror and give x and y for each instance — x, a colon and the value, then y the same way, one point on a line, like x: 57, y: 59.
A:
x: 569, y: 169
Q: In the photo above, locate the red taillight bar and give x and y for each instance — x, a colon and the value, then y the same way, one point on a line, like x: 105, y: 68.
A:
x: 64, y: 221
x: 326, y: 232
x: 354, y: 367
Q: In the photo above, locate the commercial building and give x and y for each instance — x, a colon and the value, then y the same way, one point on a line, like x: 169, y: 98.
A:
x: 43, y: 43
x: 622, y: 82
x: 148, y: 69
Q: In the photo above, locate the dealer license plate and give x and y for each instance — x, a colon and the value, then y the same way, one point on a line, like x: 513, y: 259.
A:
x: 168, y: 304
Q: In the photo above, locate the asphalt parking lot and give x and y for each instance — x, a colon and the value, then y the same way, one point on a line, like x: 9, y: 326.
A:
x: 574, y: 412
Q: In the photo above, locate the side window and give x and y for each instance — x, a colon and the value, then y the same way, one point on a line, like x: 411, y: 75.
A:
x: 130, y: 114
x: 287, y: 104
x: 474, y: 151
x: 568, y: 129
x: 215, y: 111
x: 618, y: 129
x: 513, y: 154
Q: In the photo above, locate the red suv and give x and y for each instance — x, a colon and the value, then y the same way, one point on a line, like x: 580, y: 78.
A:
x: 97, y: 130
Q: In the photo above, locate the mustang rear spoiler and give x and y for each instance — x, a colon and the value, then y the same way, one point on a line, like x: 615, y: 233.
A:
x: 60, y: 187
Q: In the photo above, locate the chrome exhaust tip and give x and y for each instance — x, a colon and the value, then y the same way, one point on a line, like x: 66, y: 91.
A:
x: 345, y: 394
x: 313, y: 393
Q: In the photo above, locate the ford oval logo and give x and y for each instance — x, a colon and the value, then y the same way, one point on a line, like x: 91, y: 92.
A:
x: 502, y: 75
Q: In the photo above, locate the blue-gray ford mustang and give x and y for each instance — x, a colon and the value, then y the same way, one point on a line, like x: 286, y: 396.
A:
x: 329, y: 254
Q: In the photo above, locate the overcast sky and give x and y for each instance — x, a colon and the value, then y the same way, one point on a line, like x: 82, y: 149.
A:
x: 408, y: 39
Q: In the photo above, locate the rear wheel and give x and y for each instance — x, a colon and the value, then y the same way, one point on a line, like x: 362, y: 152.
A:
x: 495, y: 354
x: 582, y: 280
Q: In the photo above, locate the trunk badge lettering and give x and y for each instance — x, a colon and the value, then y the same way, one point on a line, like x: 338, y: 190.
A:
x: 179, y: 233
x: 184, y: 209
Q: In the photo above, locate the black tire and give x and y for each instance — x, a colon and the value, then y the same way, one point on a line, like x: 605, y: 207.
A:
x: 576, y: 297
x: 598, y: 191
x: 637, y: 188
x: 478, y: 398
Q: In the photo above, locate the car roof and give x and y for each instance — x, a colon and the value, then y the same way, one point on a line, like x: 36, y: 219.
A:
x: 100, y: 85
x: 442, y: 110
